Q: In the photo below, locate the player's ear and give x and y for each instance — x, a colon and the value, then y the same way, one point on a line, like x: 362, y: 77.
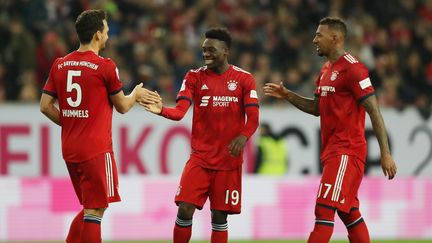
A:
x: 98, y: 35
x: 226, y: 50
x: 337, y: 37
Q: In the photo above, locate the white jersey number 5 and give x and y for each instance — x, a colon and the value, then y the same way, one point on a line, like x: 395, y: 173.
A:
x: 71, y: 86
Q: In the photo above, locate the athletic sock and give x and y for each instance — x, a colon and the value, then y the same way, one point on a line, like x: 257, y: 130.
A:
x: 324, y: 224
x: 182, y: 230
x: 91, y: 231
x: 219, y: 233
x: 74, y: 235
x: 356, y: 226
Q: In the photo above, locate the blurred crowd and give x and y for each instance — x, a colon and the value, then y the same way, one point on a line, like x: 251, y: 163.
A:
x: 157, y: 41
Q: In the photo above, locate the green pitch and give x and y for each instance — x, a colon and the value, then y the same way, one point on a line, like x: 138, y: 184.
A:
x: 241, y: 241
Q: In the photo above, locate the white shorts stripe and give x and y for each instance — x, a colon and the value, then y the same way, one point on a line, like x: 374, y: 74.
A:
x: 109, y: 179
x: 339, y: 188
x: 339, y: 178
x: 106, y: 172
x: 111, y: 176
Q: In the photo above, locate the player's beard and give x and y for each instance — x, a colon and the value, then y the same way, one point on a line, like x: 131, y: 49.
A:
x: 319, y: 51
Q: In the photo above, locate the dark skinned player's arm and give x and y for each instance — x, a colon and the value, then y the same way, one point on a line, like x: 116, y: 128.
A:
x: 371, y: 106
x: 308, y: 105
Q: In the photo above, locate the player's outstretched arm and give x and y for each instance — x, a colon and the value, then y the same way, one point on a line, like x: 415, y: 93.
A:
x: 48, y: 108
x: 123, y: 103
x: 145, y: 96
x: 176, y: 113
x: 302, y: 103
x: 388, y: 165
x: 155, y: 108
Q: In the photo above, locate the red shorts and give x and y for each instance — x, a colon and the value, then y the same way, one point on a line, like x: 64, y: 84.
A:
x: 340, y: 181
x: 95, y: 181
x: 223, y: 188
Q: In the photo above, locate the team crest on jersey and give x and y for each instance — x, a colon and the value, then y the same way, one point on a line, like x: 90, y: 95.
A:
x: 334, y: 75
x: 232, y: 85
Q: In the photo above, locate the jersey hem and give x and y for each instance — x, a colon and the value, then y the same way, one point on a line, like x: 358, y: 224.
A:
x: 196, y: 161
x: 89, y: 158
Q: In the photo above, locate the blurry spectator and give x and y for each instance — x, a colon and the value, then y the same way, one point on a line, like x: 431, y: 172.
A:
x: 2, y: 83
x: 19, y: 56
x: 272, y: 156
x: 51, y: 48
x: 29, y: 90
x: 162, y: 39
x: 388, y: 94
x: 424, y: 105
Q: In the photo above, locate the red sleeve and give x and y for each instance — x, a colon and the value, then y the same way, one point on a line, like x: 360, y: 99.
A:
x: 250, y: 101
x: 252, y: 113
x: 178, y: 112
x: 112, y: 78
x: 49, y: 87
x: 187, y: 87
x: 250, y: 96
x: 359, y: 82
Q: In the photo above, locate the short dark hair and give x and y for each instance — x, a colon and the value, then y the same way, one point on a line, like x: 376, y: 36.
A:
x: 88, y: 23
x: 336, y: 24
x: 221, y: 34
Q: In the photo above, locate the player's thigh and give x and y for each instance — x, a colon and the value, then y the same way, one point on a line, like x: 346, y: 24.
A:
x: 194, y: 185
x: 341, y: 178
x: 75, y: 175
x: 226, y: 191
x: 98, y: 181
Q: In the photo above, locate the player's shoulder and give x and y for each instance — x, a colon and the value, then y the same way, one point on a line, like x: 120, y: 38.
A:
x: 242, y: 75
x: 195, y: 73
x: 199, y: 70
x: 349, y: 61
x: 240, y: 70
x: 105, y: 60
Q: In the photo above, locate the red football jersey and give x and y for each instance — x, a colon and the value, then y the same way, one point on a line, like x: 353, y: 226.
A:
x: 219, y: 113
x: 341, y: 87
x: 82, y: 83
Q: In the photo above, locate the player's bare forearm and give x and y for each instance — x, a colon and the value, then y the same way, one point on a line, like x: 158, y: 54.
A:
x: 123, y: 103
x: 53, y: 114
x: 48, y: 108
x: 372, y: 108
x: 304, y: 104
x: 388, y: 165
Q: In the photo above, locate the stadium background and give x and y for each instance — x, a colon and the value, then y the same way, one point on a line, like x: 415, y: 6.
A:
x: 156, y: 42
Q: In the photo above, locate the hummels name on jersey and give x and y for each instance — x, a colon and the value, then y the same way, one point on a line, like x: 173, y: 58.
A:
x: 75, y: 113
x: 223, y: 101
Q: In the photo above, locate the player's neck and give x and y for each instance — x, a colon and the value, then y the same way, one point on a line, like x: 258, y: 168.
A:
x: 89, y: 47
x: 221, y: 69
x: 333, y: 57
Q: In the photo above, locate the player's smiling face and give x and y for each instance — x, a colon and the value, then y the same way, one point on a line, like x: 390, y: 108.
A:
x: 214, y: 53
x: 323, y: 40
